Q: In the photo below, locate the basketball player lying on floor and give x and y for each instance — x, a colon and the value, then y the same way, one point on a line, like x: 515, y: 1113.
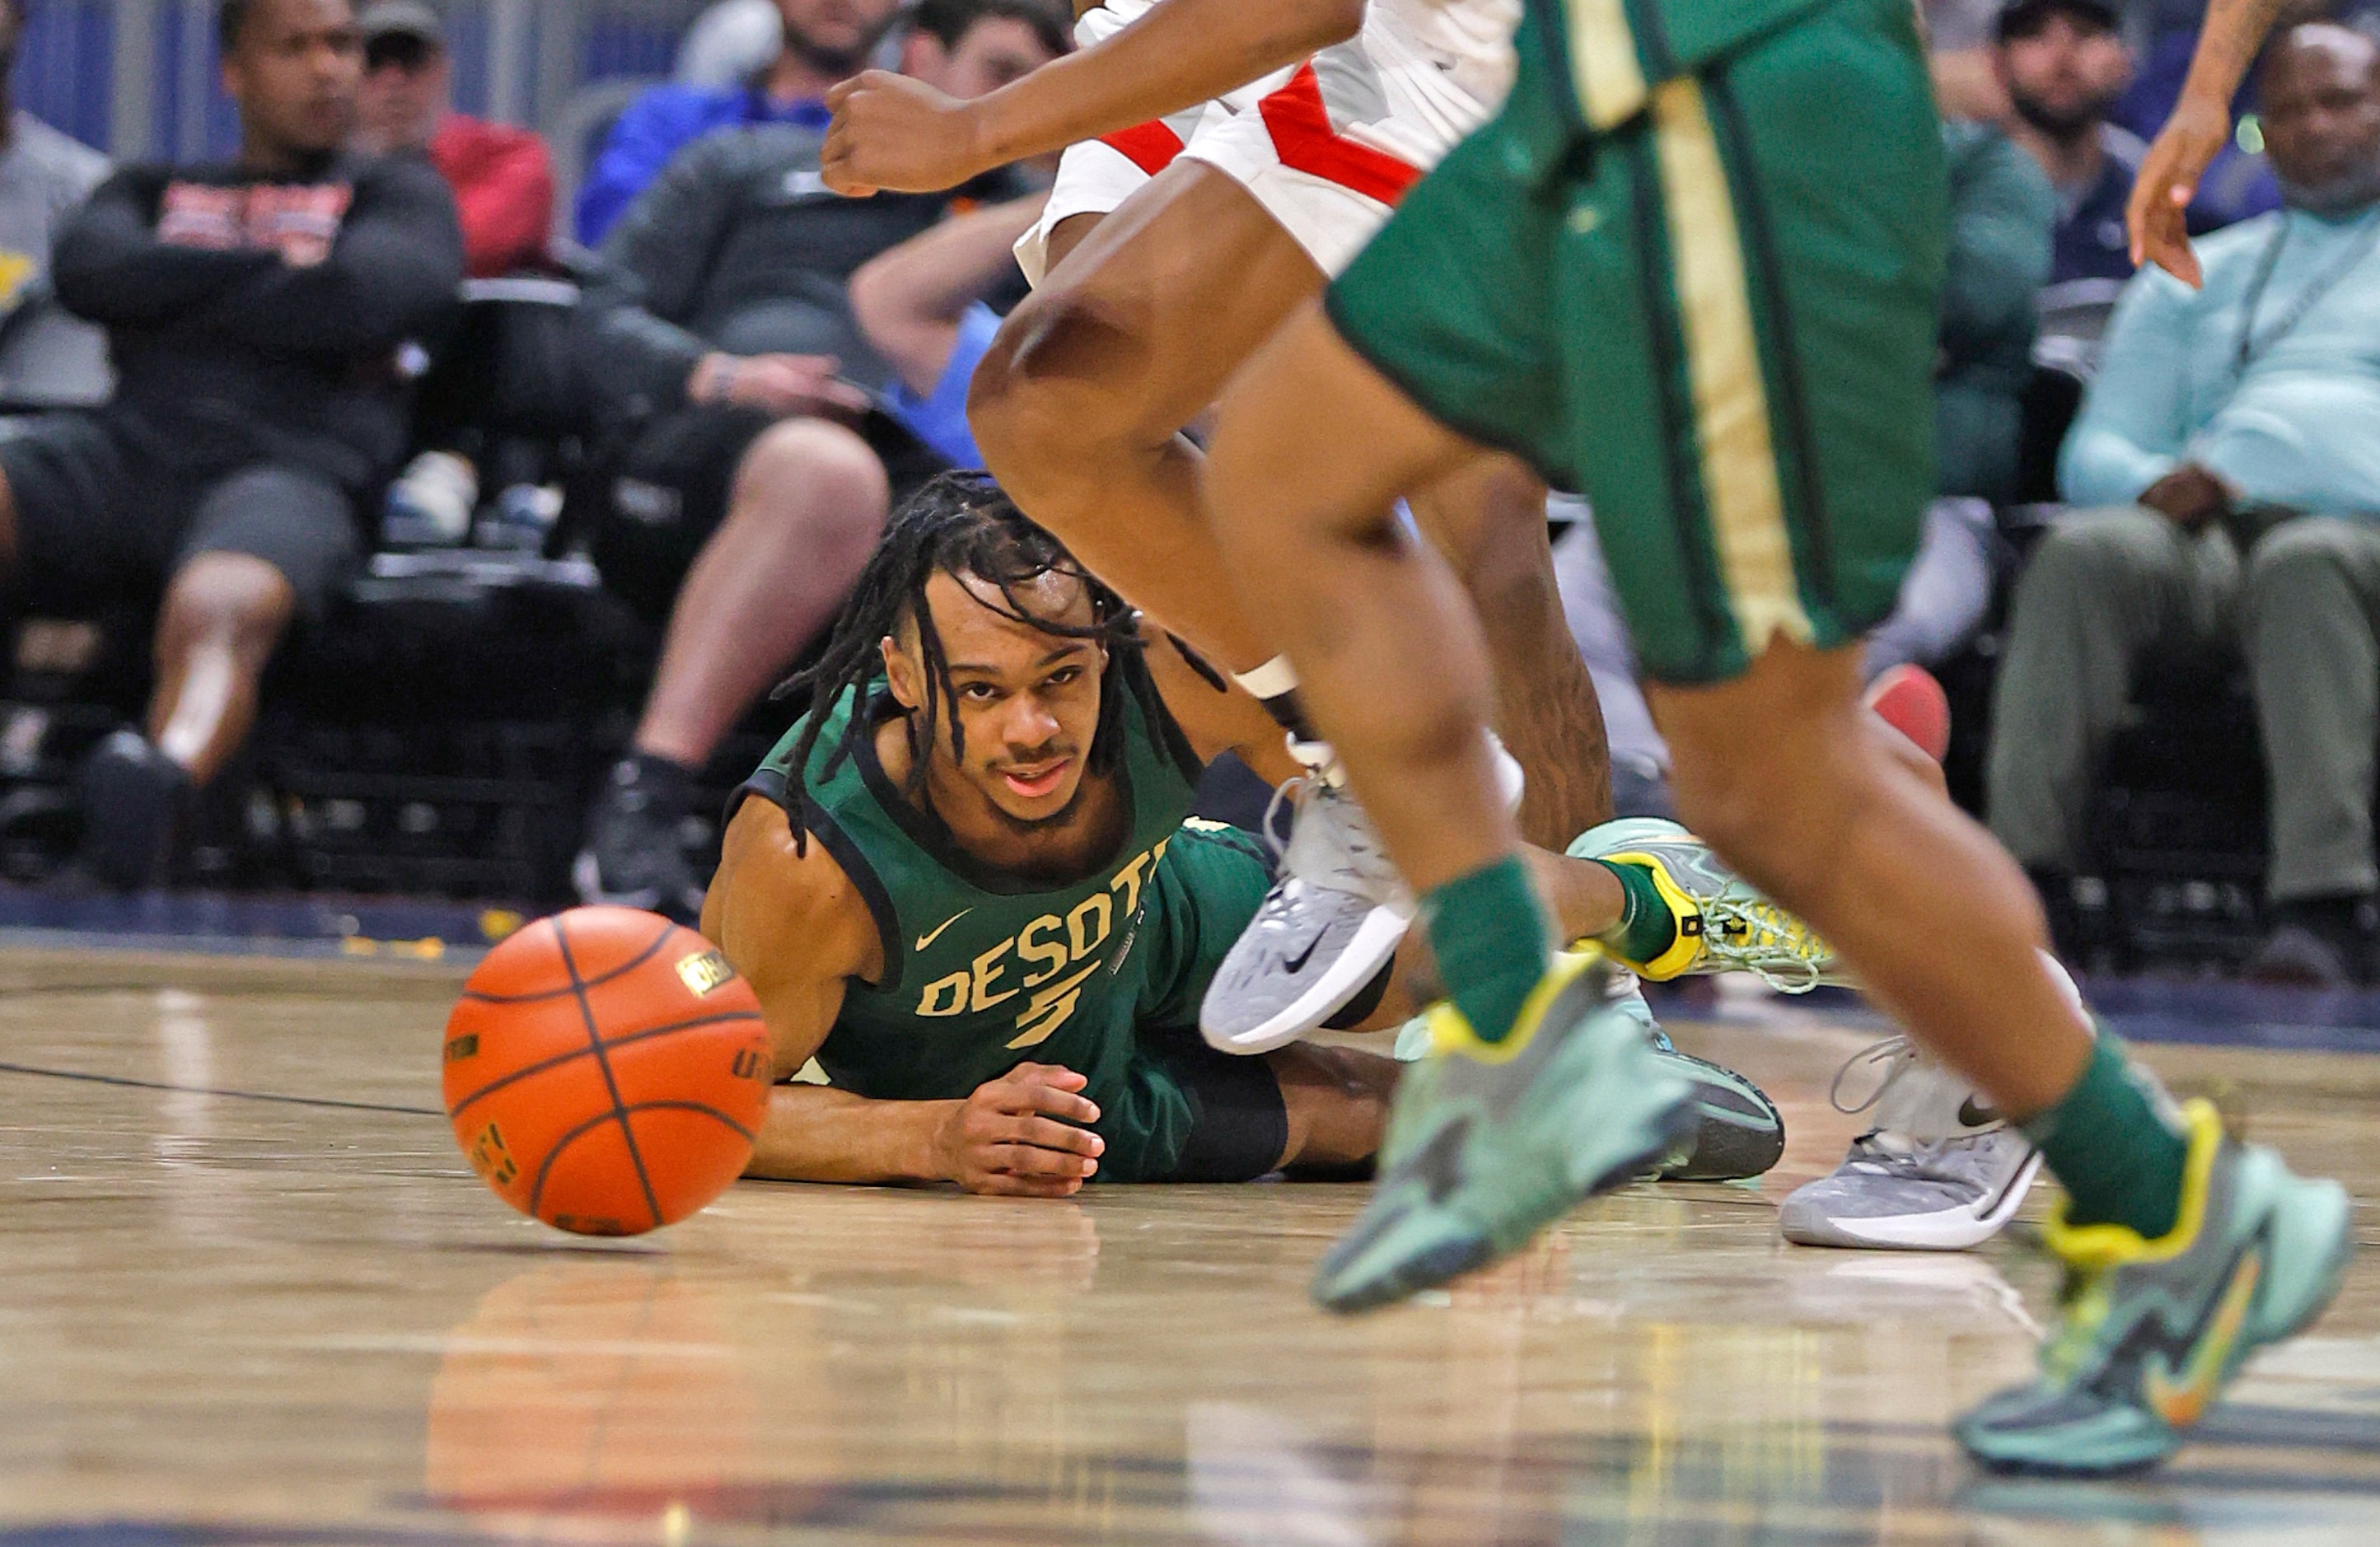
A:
x: 979, y: 906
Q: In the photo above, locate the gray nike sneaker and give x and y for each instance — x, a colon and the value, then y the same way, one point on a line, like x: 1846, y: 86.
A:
x: 1329, y: 925
x: 1940, y: 1171
x: 1324, y: 931
x: 1490, y: 1142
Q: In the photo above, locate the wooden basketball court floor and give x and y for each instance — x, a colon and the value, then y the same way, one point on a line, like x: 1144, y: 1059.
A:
x: 253, y: 1296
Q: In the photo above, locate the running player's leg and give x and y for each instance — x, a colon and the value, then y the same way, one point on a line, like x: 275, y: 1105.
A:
x: 1489, y: 519
x: 1080, y: 404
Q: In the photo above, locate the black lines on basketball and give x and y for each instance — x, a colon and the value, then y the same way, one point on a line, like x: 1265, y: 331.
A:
x: 651, y: 1033
x: 598, y: 980
x: 603, y: 1062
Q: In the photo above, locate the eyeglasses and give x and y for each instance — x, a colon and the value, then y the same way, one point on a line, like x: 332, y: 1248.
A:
x: 407, y: 51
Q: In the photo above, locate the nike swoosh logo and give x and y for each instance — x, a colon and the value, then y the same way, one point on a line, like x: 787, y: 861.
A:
x: 2180, y: 1403
x: 1296, y: 964
x: 925, y: 940
x: 1974, y: 1114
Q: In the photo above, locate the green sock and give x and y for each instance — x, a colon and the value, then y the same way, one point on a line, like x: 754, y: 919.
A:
x: 1489, y: 933
x: 1647, y: 928
x: 2106, y: 1141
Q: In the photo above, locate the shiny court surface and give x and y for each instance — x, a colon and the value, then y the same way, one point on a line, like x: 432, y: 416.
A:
x: 230, y: 1320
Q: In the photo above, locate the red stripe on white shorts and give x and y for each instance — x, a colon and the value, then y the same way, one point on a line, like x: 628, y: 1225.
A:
x: 1302, y: 134
x: 1151, y: 147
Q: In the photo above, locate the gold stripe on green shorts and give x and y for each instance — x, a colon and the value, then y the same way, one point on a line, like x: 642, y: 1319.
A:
x: 1739, y: 461
x: 1603, y: 68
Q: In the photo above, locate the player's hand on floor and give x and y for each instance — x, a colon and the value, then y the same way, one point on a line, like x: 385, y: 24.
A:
x: 891, y: 131
x: 1016, y: 1135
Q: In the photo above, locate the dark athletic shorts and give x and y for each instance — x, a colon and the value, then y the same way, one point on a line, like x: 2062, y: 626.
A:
x: 670, y: 489
x: 107, y: 510
x: 1239, y: 1123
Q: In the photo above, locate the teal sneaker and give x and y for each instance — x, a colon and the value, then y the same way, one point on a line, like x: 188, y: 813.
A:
x: 1488, y: 1143
x: 2155, y: 1329
x: 1723, y: 924
x: 1738, y: 1132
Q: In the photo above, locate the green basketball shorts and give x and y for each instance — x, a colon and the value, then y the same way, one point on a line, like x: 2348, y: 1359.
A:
x: 1714, y: 319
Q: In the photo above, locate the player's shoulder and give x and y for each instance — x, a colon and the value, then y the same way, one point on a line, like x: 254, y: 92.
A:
x: 778, y: 885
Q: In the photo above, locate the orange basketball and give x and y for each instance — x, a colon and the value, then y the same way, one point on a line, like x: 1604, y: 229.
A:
x: 607, y: 1071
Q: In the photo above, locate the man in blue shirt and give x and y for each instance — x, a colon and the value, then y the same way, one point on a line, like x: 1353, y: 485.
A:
x: 2228, y: 461
x: 826, y: 42
x: 2063, y: 63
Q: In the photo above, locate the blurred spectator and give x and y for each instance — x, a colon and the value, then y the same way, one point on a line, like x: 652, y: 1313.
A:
x: 2001, y: 215
x: 254, y: 311
x: 2240, y: 419
x: 1958, y: 36
x: 750, y: 463
x: 43, y: 177
x: 924, y: 310
x: 730, y: 42
x: 502, y: 177
x: 825, y: 41
x: 972, y: 47
x: 2064, y: 63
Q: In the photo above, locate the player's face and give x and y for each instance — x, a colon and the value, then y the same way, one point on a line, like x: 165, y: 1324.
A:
x: 296, y: 75
x: 2322, y: 122
x: 990, y: 54
x: 2063, y: 77
x: 834, y: 34
x: 1028, y: 702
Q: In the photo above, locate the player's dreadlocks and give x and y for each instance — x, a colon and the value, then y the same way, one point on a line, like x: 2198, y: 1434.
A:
x: 961, y: 524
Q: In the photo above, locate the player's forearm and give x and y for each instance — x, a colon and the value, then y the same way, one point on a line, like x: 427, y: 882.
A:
x: 2234, y: 31
x: 937, y: 276
x: 814, y: 1133
x: 1182, y: 54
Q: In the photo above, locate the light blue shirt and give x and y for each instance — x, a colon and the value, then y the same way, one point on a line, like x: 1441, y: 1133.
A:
x: 2300, y: 426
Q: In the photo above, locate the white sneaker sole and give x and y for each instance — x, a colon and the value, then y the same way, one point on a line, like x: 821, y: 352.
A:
x: 1376, y: 941
x: 1951, y: 1230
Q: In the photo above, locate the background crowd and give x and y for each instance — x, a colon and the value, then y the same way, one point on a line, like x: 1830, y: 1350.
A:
x: 250, y: 400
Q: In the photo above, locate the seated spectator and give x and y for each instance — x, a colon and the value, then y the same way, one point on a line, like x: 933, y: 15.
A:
x: 925, y: 309
x: 501, y: 176
x: 44, y: 176
x: 2063, y: 63
x: 2001, y: 213
x: 2251, y: 406
x: 751, y: 465
x: 254, y: 311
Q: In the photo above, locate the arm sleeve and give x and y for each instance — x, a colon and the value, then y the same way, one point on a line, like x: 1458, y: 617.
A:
x: 2130, y: 430
x: 639, y: 146
x: 507, y: 209
x: 656, y: 263
x: 2002, y: 213
x: 391, y: 275
x: 108, y: 266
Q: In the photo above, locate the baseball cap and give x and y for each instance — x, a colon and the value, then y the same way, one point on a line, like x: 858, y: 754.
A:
x: 2020, y: 19
x: 406, y: 19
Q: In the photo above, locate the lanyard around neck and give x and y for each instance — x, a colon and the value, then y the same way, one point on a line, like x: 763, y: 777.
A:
x: 2248, y: 347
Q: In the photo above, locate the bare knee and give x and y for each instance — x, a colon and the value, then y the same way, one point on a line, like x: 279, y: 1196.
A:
x: 227, y: 600
x: 1054, y: 387
x: 815, y: 484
